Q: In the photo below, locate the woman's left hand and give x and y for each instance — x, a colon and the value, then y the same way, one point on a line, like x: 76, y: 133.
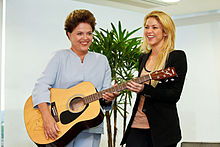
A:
x: 110, y: 96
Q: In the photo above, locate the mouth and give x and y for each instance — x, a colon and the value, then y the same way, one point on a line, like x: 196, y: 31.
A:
x: 150, y: 36
x: 84, y: 43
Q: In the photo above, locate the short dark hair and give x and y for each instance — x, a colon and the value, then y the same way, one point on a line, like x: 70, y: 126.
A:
x: 78, y: 16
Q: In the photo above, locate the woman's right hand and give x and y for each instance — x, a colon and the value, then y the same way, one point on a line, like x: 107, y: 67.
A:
x: 50, y: 126
x: 135, y: 87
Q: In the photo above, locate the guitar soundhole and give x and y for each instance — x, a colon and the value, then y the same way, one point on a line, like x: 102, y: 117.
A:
x: 77, y: 104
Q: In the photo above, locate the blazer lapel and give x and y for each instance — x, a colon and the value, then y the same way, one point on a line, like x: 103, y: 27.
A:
x: 143, y: 62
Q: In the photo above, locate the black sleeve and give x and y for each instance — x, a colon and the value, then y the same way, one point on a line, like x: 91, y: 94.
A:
x: 103, y: 103
x: 169, y: 92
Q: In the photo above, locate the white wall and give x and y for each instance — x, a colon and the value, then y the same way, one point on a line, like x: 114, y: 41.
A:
x: 199, y: 106
x: 34, y: 29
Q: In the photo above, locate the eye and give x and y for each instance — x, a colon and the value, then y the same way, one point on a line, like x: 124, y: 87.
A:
x: 79, y: 33
x: 146, y: 27
x: 155, y: 27
x: 89, y: 33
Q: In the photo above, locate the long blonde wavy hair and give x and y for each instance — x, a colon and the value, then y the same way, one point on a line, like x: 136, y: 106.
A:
x: 168, y: 27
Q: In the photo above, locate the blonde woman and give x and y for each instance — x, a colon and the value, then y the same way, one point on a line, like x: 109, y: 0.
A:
x: 154, y: 121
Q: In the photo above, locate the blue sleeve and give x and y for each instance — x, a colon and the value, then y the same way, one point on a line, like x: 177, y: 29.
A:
x: 41, y: 91
x: 107, y: 84
x: 107, y: 78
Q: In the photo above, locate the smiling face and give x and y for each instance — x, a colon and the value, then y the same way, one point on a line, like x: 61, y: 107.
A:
x: 81, y: 38
x: 153, y: 32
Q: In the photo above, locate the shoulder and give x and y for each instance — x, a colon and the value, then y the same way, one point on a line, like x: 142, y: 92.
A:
x: 177, y: 58
x: 64, y: 54
x: 177, y: 53
x: 98, y: 56
x: 61, y: 53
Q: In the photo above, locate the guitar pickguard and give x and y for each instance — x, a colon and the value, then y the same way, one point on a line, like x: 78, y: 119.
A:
x: 67, y: 116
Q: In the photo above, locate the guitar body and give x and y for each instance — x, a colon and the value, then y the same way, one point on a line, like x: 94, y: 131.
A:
x: 70, y: 112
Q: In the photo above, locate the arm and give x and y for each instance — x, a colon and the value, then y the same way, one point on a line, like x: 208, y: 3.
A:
x: 106, y: 102
x: 41, y: 97
x: 41, y: 92
x: 169, y: 92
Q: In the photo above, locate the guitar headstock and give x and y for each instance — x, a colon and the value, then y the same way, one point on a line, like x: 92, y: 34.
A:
x: 163, y: 74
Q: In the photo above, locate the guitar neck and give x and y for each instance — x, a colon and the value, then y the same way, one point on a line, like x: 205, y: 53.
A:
x: 90, y: 98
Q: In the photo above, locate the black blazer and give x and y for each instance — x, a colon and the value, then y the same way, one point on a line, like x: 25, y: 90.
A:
x: 160, y: 102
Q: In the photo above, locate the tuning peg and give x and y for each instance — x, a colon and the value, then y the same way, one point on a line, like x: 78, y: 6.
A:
x: 159, y: 82
x: 166, y: 80
x: 172, y: 79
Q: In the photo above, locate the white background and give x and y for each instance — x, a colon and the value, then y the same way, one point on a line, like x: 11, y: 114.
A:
x: 34, y: 30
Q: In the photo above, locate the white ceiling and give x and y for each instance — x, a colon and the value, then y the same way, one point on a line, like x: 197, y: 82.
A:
x: 144, y: 6
x: 184, y: 12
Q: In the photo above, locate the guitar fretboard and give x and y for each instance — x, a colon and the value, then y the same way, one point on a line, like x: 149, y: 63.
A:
x: 90, y: 98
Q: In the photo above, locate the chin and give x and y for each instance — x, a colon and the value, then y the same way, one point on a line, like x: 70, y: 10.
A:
x: 84, y: 50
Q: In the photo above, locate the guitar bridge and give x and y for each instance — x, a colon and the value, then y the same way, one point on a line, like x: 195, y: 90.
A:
x: 54, y: 111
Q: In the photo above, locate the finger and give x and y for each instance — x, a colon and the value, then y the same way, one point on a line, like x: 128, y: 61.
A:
x: 105, y: 96
x: 129, y: 84
x: 130, y: 88
x: 134, y: 83
x: 46, y: 134
x: 53, y: 135
x: 109, y: 97
x: 56, y: 127
x: 115, y: 93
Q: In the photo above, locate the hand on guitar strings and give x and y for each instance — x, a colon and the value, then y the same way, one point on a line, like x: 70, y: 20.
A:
x: 135, y: 87
x: 110, y: 96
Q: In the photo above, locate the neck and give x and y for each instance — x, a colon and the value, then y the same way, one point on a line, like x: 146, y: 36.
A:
x: 81, y: 54
x: 157, y: 48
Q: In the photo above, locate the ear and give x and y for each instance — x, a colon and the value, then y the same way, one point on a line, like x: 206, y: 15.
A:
x: 69, y: 34
x: 165, y: 34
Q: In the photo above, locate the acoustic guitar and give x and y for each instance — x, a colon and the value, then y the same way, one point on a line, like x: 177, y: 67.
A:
x: 76, y: 109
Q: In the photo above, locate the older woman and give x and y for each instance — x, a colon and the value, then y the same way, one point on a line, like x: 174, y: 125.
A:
x: 154, y: 121
x: 69, y: 67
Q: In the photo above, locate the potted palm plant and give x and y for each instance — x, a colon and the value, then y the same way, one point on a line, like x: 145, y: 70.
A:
x: 122, y: 52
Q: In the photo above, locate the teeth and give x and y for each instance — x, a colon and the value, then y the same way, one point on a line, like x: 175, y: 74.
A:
x: 150, y: 36
x: 83, y: 42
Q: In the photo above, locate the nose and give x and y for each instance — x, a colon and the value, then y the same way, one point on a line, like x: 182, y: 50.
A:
x: 149, y: 30
x: 85, y: 36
